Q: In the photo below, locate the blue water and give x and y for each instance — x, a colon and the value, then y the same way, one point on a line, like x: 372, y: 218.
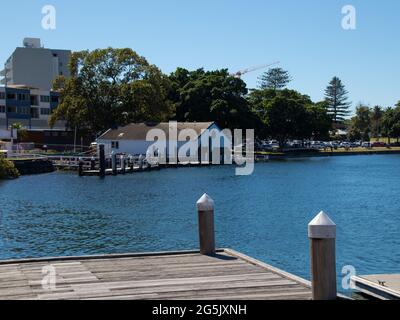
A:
x: 264, y: 215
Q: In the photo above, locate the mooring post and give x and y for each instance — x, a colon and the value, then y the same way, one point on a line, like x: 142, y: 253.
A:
x: 123, y: 164
x: 102, y: 161
x: 92, y: 163
x: 322, y: 235
x: 80, y: 167
x: 114, y: 163
x: 205, y: 208
x: 141, y: 162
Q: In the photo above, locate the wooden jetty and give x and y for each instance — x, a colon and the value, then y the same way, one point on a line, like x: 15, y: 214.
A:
x: 174, y: 275
x: 380, y: 286
x: 209, y: 273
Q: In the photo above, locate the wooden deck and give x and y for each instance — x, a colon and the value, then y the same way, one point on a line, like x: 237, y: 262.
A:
x: 380, y: 286
x: 174, y: 275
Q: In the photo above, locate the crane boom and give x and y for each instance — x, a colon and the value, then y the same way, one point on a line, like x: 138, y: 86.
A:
x: 239, y: 74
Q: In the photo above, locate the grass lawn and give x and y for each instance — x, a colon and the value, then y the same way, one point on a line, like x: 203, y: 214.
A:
x: 341, y: 150
x: 385, y: 140
x: 361, y: 150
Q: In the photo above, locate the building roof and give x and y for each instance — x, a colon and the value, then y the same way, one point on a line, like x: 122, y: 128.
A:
x: 138, y: 131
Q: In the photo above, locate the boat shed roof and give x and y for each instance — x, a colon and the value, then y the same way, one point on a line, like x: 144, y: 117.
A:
x: 138, y: 131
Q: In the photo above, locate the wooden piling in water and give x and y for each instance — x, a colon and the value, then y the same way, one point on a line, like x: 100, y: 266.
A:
x: 92, y: 163
x: 80, y: 170
x: 123, y: 164
x: 114, y: 163
x: 205, y: 207
x: 102, y: 157
x: 322, y: 235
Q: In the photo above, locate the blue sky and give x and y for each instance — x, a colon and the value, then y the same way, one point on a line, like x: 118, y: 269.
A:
x: 306, y: 36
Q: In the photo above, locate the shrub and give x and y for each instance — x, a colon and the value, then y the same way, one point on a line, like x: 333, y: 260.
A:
x: 7, y: 169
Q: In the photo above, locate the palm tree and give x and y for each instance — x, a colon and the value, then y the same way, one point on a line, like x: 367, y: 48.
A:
x: 376, y: 116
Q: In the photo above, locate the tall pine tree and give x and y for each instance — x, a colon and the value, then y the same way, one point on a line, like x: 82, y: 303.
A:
x: 337, y: 100
x: 275, y: 78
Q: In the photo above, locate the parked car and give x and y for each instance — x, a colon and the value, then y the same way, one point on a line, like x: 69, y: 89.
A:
x: 366, y: 145
x: 345, y: 145
x: 378, y: 144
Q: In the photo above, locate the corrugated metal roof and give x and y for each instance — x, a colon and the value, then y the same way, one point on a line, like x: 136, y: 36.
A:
x: 138, y: 131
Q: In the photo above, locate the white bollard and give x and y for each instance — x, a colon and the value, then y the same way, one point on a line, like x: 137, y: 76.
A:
x: 205, y: 207
x: 322, y: 235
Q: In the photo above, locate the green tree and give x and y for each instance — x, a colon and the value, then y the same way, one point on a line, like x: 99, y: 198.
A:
x: 211, y: 96
x: 111, y: 87
x: 21, y: 131
x: 337, y: 100
x: 376, y: 118
x: 275, y: 78
x: 319, y: 121
x: 360, y: 127
x: 7, y: 169
x: 391, y: 123
x: 287, y: 114
x: 387, y: 123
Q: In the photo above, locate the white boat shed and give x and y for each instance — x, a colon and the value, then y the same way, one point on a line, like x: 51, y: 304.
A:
x: 138, y: 138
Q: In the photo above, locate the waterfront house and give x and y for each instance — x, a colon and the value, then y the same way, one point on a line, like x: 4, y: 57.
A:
x: 197, y: 138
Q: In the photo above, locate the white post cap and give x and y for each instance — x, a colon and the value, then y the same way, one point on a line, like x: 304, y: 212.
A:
x: 322, y: 227
x: 205, y: 203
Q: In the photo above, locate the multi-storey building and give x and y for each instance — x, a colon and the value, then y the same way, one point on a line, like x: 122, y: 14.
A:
x: 28, y: 76
x: 28, y: 106
x: 35, y: 66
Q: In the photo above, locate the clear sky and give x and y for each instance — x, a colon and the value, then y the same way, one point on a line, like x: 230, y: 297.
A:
x: 305, y: 35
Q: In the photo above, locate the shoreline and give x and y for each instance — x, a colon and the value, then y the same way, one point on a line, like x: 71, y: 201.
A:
x: 291, y: 155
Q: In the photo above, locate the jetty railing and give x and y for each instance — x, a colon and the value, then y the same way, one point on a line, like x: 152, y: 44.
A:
x: 322, y: 235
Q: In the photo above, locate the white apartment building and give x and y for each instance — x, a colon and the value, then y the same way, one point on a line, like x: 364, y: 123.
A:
x: 35, y: 66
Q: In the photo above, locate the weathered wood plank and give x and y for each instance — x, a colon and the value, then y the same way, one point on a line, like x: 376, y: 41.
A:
x: 227, y: 275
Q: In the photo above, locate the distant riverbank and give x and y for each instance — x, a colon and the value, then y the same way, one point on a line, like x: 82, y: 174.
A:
x: 333, y: 153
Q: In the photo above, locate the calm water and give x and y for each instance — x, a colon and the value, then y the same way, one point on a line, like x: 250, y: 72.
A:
x: 264, y: 215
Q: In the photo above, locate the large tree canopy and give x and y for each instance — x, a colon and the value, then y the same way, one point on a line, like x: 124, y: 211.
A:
x: 360, y: 126
x: 288, y: 114
x: 111, y: 87
x: 211, y: 96
x: 391, y: 122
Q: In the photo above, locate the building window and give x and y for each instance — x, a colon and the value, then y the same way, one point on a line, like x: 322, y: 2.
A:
x: 54, y: 99
x: 2, y: 95
x: 24, y: 110
x: 45, y: 99
x: 11, y: 109
x: 35, y: 113
x: 44, y: 111
x: 115, y: 144
x: 2, y: 109
x: 34, y: 100
x: 11, y: 96
x: 22, y: 96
